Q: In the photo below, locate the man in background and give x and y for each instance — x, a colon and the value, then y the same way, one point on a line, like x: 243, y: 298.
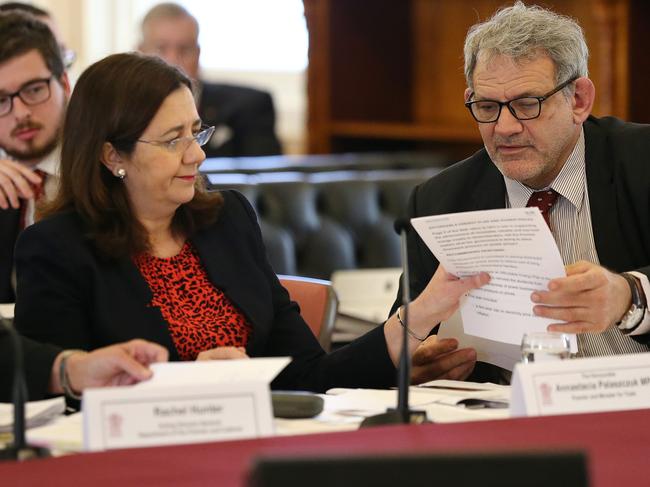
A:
x: 528, y: 90
x: 34, y: 91
x: 244, y: 117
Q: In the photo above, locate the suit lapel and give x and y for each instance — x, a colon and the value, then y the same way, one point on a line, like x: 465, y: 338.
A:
x: 602, y: 197
x: 144, y: 321
x: 225, y: 270
x: 489, y: 190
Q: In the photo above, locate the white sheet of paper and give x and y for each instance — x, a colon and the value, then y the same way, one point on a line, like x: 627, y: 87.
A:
x: 440, y: 405
x: 505, y: 355
x: 7, y: 310
x: 63, y: 434
x: 36, y: 413
x: 262, y: 369
x: 515, y: 247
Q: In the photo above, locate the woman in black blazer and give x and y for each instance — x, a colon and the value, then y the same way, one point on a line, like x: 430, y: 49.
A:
x: 133, y: 246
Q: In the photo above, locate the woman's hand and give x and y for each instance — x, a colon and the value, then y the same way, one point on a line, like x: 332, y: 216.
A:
x: 223, y: 353
x: 436, y: 303
x: 442, y: 296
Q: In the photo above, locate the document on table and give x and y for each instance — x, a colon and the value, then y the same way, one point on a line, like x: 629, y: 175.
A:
x: 515, y: 247
x: 37, y: 413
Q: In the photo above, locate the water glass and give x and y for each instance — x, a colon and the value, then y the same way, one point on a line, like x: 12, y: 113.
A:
x: 544, y: 347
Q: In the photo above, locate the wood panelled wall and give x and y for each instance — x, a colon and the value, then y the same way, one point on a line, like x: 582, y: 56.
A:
x: 388, y: 74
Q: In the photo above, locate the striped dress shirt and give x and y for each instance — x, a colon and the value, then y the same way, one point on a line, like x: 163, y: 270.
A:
x: 571, y: 228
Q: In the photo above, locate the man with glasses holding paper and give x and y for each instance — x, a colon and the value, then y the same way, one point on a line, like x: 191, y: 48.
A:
x: 528, y: 90
x: 34, y: 90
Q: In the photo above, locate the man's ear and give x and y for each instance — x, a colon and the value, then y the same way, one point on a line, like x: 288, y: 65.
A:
x: 583, y: 99
x: 65, y: 83
x: 467, y: 94
x: 111, y: 158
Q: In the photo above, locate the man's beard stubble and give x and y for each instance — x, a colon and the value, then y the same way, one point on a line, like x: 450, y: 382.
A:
x: 33, y: 153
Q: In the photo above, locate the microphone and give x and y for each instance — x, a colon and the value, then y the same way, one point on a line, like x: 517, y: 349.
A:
x: 402, y: 414
x: 402, y: 225
x: 19, y: 449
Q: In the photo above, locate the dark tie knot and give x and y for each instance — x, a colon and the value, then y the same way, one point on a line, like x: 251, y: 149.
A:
x: 544, y: 200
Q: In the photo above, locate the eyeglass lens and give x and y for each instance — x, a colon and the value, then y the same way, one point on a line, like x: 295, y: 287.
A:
x: 522, y: 108
x: 31, y: 94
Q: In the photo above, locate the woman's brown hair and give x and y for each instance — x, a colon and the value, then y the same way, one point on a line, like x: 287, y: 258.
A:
x: 114, y: 101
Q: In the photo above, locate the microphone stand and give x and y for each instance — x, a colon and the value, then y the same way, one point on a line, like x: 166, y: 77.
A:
x: 402, y: 414
x: 19, y: 449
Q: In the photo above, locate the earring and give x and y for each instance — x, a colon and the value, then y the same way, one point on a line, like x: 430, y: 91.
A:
x: 120, y: 173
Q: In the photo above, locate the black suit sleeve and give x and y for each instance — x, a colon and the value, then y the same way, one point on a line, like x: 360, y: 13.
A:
x: 39, y: 359
x: 363, y: 363
x: 9, y: 220
x: 254, y: 127
x: 248, y: 113
x: 51, y: 302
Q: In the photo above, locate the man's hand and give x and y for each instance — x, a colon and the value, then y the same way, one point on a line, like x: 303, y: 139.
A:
x: 15, y: 182
x: 223, y: 353
x: 121, y: 364
x: 440, y: 359
x: 589, y: 299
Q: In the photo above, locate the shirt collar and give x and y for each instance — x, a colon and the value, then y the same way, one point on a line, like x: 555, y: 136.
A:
x: 569, y: 183
x: 50, y: 164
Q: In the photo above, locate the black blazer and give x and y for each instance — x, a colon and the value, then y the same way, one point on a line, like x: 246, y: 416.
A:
x: 9, y: 229
x: 39, y: 358
x: 617, y: 158
x: 69, y: 297
x: 248, y: 114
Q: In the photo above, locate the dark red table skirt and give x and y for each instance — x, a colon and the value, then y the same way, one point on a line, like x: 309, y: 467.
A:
x: 617, y: 446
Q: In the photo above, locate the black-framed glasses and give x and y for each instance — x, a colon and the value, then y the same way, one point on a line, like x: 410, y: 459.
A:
x: 524, y: 108
x: 181, y: 144
x: 33, y: 93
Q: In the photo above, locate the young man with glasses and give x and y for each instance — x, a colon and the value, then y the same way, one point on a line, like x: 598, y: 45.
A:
x: 526, y: 71
x: 34, y: 90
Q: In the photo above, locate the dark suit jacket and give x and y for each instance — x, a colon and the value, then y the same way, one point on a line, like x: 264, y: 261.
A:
x: 69, y: 297
x: 617, y: 158
x: 247, y: 113
x: 39, y: 358
x: 9, y: 222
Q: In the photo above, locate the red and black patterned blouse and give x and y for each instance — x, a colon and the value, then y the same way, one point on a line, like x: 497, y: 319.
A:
x: 200, y: 316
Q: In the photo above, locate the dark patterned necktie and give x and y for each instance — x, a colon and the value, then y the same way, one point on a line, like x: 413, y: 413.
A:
x: 39, y: 191
x: 544, y: 200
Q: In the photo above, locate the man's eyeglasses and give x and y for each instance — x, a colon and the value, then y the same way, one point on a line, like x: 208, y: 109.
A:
x: 524, y: 108
x: 181, y: 144
x: 33, y: 93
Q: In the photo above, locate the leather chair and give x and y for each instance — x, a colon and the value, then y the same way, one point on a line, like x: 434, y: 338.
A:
x: 318, y: 305
x: 316, y: 223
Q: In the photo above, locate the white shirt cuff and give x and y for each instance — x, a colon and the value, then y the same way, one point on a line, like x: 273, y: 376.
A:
x: 644, y: 326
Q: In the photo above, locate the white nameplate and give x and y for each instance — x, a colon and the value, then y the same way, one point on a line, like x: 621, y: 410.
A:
x: 187, y: 402
x: 583, y: 385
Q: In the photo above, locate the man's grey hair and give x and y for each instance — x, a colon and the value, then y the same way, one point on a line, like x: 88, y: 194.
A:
x: 166, y: 10
x: 523, y: 33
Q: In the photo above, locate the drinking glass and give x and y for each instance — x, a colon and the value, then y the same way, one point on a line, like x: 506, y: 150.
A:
x: 544, y: 347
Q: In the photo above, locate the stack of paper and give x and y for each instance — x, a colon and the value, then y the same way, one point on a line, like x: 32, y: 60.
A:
x: 37, y: 413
